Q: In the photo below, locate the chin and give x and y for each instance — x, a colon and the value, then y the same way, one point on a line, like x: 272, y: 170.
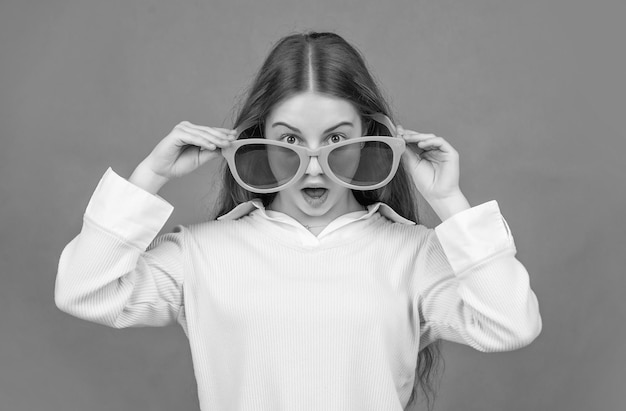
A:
x: 315, y: 211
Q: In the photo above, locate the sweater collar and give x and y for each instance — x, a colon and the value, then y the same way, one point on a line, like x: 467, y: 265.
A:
x: 246, y: 208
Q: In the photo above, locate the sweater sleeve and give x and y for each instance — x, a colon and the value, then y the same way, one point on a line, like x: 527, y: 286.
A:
x: 111, y: 273
x: 471, y: 289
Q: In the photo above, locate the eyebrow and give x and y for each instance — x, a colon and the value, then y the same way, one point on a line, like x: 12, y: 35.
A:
x: 343, y: 123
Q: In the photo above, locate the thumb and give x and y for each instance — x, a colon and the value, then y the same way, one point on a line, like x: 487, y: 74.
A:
x: 204, y: 156
x: 412, y: 155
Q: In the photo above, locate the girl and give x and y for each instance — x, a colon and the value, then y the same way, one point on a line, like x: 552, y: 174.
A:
x: 315, y: 289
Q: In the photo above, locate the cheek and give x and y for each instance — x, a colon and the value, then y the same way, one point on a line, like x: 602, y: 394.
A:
x: 339, y: 192
x: 292, y: 193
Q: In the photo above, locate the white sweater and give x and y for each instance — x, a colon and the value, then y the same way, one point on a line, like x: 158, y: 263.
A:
x: 280, y: 319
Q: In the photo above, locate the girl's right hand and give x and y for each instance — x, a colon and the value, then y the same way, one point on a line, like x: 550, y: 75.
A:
x: 187, y: 147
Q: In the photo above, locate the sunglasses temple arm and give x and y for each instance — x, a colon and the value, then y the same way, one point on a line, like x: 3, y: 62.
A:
x: 243, y: 127
x: 384, y: 120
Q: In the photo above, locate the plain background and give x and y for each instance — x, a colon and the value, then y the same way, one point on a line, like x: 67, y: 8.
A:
x: 531, y: 93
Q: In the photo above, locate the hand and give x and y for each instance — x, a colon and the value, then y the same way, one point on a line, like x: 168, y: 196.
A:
x: 433, y: 163
x: 187, y: 147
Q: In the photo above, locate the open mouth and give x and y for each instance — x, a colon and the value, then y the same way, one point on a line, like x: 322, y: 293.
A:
x: 315, y: 192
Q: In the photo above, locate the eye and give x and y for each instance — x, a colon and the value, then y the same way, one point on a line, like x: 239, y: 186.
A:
x: 336, y: 138
x: 289, y: 138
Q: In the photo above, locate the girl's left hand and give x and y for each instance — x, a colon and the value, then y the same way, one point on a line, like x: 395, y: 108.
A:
x: 435, y: 166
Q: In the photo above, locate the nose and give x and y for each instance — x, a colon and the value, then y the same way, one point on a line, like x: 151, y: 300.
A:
x: 314, y: 168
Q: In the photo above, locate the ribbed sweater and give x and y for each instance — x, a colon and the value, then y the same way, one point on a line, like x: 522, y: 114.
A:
x: 280, y: 319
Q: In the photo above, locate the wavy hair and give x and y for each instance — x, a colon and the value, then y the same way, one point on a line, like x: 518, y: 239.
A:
x: 328, y: 64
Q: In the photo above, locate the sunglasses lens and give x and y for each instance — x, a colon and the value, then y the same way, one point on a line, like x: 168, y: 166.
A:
x: 264, y: 166
x: 362, y: 164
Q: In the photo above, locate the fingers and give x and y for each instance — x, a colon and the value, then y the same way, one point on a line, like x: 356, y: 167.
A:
x: 207, y: 138
x: 425, y: 141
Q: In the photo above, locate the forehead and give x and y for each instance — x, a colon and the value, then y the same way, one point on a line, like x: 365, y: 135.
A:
x: 312, y: 111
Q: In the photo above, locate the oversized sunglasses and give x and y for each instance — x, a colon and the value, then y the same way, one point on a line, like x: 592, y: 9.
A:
x: 362, y: 163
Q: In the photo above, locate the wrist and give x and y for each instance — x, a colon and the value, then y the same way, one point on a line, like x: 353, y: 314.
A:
x: 143, y: 177
x: 449, y: 205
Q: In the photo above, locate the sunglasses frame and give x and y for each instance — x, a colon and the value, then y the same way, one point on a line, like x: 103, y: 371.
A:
x: 397, y: 145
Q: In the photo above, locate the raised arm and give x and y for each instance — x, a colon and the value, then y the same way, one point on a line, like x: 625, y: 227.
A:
x: 473, y: 290
x: 111, y: 273
x: 106, y: 275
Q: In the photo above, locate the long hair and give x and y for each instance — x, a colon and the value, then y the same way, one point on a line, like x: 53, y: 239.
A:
x: 327, y: 64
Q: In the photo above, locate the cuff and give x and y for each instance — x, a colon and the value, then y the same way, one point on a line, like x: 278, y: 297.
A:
x: 127, y: 210
x: 474, y: 235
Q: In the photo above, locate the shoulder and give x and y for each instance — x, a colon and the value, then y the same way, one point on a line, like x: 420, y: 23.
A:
x: 199, y: 237
x: 390, y: 220
x: 400, y: 233
x: 236, y: 219
x: 222, y: 227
